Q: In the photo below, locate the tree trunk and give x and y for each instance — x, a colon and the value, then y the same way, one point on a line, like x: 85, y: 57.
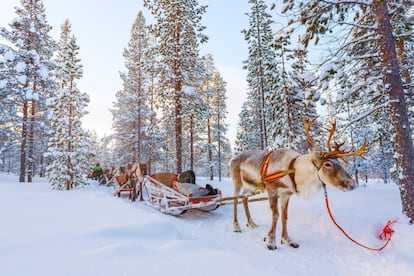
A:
x: 219, y: 137
x: 403, y: 145
x: 178, y: 126
x: 139, y: 118
x: 192, y: 143
x: 69, y: 183
x: 405, y: 73
x: 22, y: 177
x: 30, y: 161
x: 210, y: 153
x: 263, y: 132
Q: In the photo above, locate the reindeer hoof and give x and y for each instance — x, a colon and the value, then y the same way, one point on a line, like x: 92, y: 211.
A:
x: 271, y: 247
x: 294, y: 245
x: 251, y: 225
x: 236, y: 228
x: 290, y: 243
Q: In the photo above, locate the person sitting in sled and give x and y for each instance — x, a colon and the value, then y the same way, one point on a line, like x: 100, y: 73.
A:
x: 97, y: 172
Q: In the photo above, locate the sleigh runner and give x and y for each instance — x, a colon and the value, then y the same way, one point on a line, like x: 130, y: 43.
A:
x: 168, y: 195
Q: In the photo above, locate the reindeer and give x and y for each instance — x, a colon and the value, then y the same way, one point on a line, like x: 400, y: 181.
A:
x: 136, y: 174
x: 290, y: 173
x: 133, y: 174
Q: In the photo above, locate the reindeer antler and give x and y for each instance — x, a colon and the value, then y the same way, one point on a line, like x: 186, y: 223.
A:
x: 335, y: 151
x: 308, y: 138
x: 342, y: 153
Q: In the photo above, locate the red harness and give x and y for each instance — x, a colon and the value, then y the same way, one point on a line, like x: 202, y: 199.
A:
x: 266, y: 178
x: 134, y: 173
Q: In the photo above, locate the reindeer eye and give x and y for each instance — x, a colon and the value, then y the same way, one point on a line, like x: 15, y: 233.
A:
x: 328, y: 164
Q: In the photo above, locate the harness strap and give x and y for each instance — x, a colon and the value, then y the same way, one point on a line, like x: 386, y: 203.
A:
x: 134, y: 172
x: 266, y: 178
x: 292, y: 175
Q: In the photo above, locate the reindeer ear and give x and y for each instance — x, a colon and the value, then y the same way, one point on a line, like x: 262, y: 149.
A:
x: 317, y: 159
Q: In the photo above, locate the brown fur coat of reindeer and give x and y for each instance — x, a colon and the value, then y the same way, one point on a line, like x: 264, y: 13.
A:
x: 285, y: 172
x: 133, y: 175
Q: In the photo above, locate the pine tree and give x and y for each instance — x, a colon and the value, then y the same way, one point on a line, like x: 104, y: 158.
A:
x: 246, y: 137
x: 132, y: 114
x: 303, y: 96
x: 318, y: 19
x: 32, y: 48
x: 212, y: 147
x: 69, y: 149
x: 178, y: 29
x: 9, y: 116
x: 260, y: 63
x: 219, y: 115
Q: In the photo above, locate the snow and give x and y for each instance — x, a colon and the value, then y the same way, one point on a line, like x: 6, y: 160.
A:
x: 189, y: 90
x: 3, y: 84
x: 22, y: 79
x: 20, y: 67
x: 88, y: 231
x: 29, y: 93
x: 43, y: 72
x: 410, y: 13
x: 9, y: 56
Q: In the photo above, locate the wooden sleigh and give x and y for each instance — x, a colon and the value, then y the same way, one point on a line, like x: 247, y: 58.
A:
x: 168, y: 195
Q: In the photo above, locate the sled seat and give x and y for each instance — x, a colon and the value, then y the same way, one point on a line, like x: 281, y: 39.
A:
x: 166, y: 178
x: 189, y: 190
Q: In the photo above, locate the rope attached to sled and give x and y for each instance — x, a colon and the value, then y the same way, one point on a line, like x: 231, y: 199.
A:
x: 385, y: 234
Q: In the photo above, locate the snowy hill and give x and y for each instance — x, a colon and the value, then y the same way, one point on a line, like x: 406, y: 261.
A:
x: 87, y: 231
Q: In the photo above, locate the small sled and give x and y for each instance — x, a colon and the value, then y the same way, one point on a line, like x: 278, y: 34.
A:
x: 168, y: 195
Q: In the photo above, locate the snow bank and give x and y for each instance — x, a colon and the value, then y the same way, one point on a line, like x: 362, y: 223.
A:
x: 87, y: 231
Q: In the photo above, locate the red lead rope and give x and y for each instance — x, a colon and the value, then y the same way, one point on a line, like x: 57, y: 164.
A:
x: 385, y: 234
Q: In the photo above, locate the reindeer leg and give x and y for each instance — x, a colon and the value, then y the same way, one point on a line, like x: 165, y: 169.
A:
x: 237, y: 184
x: 285, y: 239
x: 236, y: 225
x: 250, y: 222
x: 271, y: 236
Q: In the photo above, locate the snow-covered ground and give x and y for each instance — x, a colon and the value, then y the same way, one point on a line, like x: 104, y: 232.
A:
x: 87, y: 231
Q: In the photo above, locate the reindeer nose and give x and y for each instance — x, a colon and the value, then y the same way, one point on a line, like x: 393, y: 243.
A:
x: 349, y: 184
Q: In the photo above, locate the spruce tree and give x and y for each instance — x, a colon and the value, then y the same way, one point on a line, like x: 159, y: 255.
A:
x: 219, y: 114
x: 32, y: 48
x: 179, y: 32
x: 319, y: 18
x: 259, y: 65
x: 9, y: 117
x: 69, y: 148
x: 132, y: 114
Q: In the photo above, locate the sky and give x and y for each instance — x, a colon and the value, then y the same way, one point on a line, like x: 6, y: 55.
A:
x: 102, y: 29
x: 88, y: 231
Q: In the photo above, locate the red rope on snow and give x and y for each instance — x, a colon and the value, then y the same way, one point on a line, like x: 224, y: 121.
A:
x: 385, y: 234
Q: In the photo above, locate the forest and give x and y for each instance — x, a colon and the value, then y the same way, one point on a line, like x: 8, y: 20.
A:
x: 170, y: 112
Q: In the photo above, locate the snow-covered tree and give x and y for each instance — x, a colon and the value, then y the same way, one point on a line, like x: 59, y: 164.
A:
x: 69, y: 147
x: 247, y: 137
x: 32, y: 49
x: 293, y: 96
x: 222, y: 152
x: 179, y: 32
x: 260, y: 65
x: 212, y: 148
x: 9, y: 137
x: 303, y: 97
x: 132, y: 113
x: 377, y: 24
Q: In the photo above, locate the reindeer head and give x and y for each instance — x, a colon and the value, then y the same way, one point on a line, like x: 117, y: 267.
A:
x: 329, y: 169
